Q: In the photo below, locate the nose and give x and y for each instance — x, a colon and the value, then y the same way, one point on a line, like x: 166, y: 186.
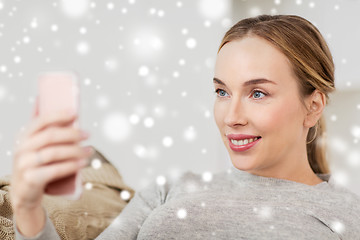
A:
x: 236, y: 114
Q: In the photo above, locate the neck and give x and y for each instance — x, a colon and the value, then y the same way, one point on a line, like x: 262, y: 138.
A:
x: 290, y: 169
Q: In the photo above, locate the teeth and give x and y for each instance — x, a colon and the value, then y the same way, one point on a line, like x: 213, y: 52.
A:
x: 243, y: 141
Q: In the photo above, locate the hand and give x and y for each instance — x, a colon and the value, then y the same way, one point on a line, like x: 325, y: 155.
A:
x: 48, y: 150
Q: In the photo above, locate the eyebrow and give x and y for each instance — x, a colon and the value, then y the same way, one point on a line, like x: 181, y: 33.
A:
x: 247, y: 83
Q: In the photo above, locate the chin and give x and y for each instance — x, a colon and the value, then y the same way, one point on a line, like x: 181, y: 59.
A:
x: 243, y: 164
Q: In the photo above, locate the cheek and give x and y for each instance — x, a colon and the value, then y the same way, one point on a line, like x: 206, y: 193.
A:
x: 282, y: 116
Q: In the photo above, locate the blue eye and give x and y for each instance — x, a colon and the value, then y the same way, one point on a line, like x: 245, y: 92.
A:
x: 220, y: 92
x: 258, y: 94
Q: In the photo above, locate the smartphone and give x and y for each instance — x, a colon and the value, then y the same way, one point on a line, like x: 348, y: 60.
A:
x: 58, y: 91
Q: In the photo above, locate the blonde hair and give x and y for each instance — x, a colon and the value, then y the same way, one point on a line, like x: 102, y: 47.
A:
x: 302, y: 43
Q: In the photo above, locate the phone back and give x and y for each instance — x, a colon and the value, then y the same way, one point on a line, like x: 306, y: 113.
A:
x: 59, y: 91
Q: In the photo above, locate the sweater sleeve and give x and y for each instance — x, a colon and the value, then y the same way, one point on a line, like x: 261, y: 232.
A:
x: 128, y: 223
x: 48, y: 232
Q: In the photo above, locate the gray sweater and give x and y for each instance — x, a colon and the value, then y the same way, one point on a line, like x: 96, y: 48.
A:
x: 235, y: 205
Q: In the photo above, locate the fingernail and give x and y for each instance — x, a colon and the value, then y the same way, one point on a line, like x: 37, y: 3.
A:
x: 83, y: 162
x: 84, y: 134
x: 88, y: 149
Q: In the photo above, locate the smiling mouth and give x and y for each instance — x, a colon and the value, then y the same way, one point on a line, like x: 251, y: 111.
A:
x: 244, y: 144
x: 244, y: 141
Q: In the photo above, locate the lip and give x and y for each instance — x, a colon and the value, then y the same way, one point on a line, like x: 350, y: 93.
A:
x: 241, y: 148
x: 240, y: 136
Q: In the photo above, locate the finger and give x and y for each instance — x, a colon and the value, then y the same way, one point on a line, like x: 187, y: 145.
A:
x: 61, y: 118
x: 41, y: 176
x: 51, y: 155
x: 61, y: 153
x: 53, y: 135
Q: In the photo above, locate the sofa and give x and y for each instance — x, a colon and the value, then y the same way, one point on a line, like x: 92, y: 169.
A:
x: 100, y: 202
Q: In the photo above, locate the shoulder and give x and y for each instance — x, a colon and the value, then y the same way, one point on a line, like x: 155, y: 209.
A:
x: 343, y: 208
x: 346, y: 196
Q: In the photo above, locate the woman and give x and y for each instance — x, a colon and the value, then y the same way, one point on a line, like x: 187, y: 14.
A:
x: 272, y: 79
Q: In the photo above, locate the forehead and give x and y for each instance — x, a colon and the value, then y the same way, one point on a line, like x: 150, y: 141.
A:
x: 251, y: 58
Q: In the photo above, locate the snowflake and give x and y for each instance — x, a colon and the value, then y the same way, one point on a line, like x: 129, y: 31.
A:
x: 88, y: 186
x: 87, y: 81
x: 340, y: 177
x: 125, y: 195
x: 140, y: 151
x: 207, y: 176
x: 26, y: 39
x: 254, y: 11
x: 159, y: 111
x: 184, y: 31
x: 176, y: 74
x: 96, y: 163
x: 181, y: 213
x: 82, y: 48
x: 161, y: 180
x: 161, y: 13
x: 143, y: 71
x: 17, y: 59
x: 34, y: 23
x: 167, y: 141
x: 111, y: 64
x: 110, y: 6
x: 74, y: 9
x: 182, y: 62
x: 214, y: 9
x: 190, y: 133
x: 355, y: 131
x: 3, y: 69
x: 264, y: 212
x: 116, y: 127
x: 207, y: 23
x: 134, y: 119
x: 191, y: 43
x: 149, y: 122
x: 333, y: 117
x: 54, y: 28
x: 337, y: 227
x: 83, y: 30
x: 226, y: 22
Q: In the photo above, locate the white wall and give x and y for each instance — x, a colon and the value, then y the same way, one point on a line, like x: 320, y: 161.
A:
x: 109, y: 43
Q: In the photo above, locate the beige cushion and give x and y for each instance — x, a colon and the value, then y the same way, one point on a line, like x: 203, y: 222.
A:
x: 85, y: 218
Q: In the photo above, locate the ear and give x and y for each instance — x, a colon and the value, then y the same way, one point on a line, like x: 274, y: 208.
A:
x: 315, y: 104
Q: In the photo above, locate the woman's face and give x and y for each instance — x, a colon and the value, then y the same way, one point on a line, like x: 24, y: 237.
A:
x: 257, y: 99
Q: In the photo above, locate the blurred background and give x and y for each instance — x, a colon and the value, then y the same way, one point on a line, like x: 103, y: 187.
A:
x: 145, y: 70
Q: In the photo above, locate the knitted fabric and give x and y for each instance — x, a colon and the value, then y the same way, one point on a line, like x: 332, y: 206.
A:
x: 85, y: 218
